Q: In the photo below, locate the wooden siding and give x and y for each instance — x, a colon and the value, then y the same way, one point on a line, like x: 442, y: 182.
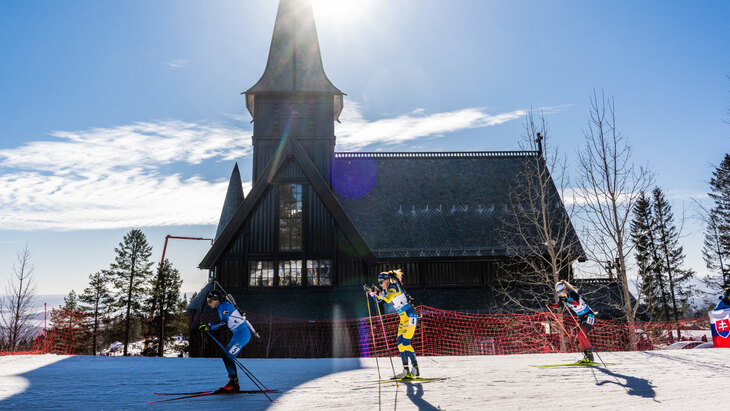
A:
x: 307, y: 118
x: 319, y: 227
x: 264, y: 225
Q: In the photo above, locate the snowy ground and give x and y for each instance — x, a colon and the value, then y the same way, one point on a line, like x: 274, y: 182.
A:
x: 674, y: 379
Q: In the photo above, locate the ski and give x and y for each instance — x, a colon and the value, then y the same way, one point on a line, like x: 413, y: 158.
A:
x: 575, y: 364
x: 416, y: 379
x: 209, y: 393
x: 182, y: 393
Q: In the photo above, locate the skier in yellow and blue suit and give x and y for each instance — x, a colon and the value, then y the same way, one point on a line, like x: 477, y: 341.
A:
x: 393, y: 293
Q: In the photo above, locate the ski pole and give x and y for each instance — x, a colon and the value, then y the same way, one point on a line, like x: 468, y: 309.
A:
x: 555, y: 317
x: 372, y: 331
x: 248, y: 373
x: 583, y: 332
x: 245, y: 370
x: 387, y: 346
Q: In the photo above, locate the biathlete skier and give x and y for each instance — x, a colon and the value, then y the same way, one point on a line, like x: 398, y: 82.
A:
x: 586, y: 318
x: 231, y: 318
x: 392, y: 292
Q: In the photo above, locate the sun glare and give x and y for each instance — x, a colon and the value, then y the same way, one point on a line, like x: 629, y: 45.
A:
x: 339, y: 11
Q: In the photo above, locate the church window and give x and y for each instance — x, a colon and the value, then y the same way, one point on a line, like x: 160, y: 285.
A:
x: 261, y: 273
x: 290, y: 217
x: 290, y: 273
x: 319, y: 273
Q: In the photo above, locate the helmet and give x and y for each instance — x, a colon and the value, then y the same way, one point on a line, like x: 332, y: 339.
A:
x: 215, y: 295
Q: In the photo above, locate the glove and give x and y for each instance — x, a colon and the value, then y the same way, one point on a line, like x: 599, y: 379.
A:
x: 551, y: 305
x: 204, y: 327
x: 562, y: 299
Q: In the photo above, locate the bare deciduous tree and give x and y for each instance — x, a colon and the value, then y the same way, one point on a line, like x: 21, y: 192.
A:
x: 609, y: 186
x: 538, y: 231
x: 16, y: 307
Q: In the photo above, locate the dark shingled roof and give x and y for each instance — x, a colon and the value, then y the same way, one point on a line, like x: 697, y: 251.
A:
x: 431, y: 204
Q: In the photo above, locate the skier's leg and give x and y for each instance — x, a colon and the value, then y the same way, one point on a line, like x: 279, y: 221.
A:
x: 239, y: 339
x: 405, y: 343
x: 401, y: 347
x: 586, y: 325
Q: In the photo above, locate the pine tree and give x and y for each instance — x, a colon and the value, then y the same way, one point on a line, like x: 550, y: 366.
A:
x: 71, y: 301
x: 672, y: 255
x: 716, y: 247
x: 130, y: 273
x: 166, y: 292
x: 97, y: 302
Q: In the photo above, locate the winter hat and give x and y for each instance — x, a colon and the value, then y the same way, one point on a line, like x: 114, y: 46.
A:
x: 215, y: 295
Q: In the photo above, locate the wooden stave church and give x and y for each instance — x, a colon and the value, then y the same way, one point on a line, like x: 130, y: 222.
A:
x: 318, y: 224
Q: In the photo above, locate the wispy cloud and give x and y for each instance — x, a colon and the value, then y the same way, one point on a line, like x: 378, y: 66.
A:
x: 178, y: 63
x: 121, y: 177
x: 356, y: 132
x: 113, y: 177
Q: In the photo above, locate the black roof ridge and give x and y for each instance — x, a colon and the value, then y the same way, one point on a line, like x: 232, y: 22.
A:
x: 436, y: 154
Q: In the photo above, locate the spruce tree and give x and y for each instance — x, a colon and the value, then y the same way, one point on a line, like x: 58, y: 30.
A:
x: 166, y: 292
x: 672, y: 255
x: 67, y: 322
x: 130, y: 273
x: 716, y: 247
x: 653, y: 291
x: 97, y: 302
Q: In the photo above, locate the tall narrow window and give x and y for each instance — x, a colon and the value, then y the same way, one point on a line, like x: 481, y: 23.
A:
x: 290, y: 273
x: 290, y: 217
x: 319, y: 272
x: 261, y: 273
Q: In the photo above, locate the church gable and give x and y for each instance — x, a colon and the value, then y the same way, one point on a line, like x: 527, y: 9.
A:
x: 290, y: 209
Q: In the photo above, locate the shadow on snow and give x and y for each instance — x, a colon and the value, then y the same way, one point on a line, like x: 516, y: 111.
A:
x: 130, y: 382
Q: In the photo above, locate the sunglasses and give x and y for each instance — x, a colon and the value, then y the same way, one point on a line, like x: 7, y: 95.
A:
x: 381, y: 281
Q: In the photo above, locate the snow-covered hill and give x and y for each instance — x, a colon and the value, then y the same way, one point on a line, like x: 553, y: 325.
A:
x: 673, y: 379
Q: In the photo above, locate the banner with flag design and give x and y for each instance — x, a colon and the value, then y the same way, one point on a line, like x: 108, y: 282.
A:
x: 720, y: 326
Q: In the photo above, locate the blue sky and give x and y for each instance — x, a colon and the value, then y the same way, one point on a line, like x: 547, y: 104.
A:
x: 124, y: 114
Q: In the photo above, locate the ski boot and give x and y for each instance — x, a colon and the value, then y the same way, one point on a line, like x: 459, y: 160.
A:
x: 589, y: 354
x: 587, y: 357
x: 416, y: 372
x: 406, y: 374
x: 232, y: 386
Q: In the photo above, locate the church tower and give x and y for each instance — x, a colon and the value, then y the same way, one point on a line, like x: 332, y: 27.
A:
x: 294, y: 98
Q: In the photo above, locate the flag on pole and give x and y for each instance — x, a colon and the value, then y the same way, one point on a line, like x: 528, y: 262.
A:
x: 720, y: 326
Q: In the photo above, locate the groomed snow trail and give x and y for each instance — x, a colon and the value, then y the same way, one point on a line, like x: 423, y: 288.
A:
x: 680, y: 379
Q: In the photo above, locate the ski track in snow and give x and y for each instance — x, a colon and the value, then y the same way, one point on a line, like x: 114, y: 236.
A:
x: 672, y: 379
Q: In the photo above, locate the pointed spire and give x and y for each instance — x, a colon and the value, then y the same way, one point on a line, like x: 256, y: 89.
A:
x: 295, y: 62
x: 234, y: 198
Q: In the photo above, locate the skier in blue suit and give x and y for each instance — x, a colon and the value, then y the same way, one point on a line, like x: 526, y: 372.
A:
x: 724, y: 302
x: 236, y: 322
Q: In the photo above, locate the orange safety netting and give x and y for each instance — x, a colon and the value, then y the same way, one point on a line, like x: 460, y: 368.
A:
x: 442, y: 332
x: 65, y: 336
